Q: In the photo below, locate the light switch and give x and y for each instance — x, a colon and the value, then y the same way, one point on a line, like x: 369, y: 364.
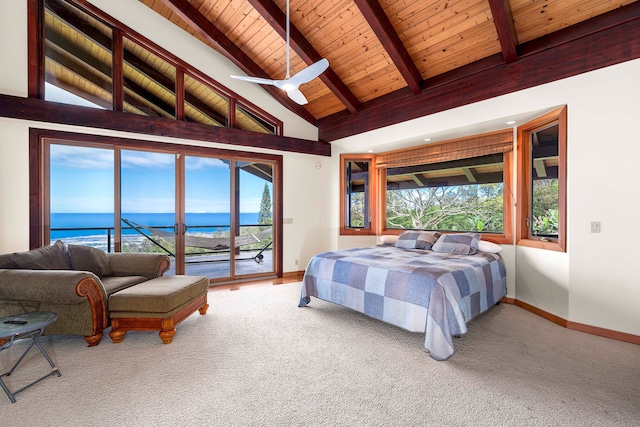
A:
x: 595, y: 226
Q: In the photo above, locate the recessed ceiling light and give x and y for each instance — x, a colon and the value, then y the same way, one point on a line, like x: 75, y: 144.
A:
x: 369, y: 151
x: 511, y: 122
x: 427, y: 139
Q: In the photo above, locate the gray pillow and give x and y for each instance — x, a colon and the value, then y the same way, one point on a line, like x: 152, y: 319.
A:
x: 6, y: 261
x: 86, y: 258
x: 54, y: 257
x: 457, y: 243
x: 417, y: 239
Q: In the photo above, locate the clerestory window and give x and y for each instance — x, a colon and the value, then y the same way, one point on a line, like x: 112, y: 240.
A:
x: 88, y: 58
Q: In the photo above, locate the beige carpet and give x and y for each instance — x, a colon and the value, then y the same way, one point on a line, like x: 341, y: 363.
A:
x: 258, y: 359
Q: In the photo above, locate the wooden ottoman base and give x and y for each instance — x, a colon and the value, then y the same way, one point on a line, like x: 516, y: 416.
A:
x: 165, y: 324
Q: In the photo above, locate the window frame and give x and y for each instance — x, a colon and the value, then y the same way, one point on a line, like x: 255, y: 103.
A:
x: 506, y: 237
x: 523, y: 233
x: 39, y: 177
x: 370, y: 196
x: 36, y: 67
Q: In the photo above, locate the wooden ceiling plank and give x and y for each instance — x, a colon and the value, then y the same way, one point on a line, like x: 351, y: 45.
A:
x: 503, y: 20
x: 382, y: 27
x: 217, y: 38
x: 277, y: 19
x: 574, y: 50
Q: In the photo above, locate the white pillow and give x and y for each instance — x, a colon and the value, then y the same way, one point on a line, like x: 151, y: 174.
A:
x: 492, y: 248
x: 388, y: 239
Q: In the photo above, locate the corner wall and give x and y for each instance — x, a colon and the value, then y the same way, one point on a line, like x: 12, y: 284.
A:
x: 594, y: 282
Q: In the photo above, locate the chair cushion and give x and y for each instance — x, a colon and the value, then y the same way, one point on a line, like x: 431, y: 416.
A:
x: 114, y: 284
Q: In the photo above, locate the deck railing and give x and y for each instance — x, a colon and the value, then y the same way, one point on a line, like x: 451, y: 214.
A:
x: 127, y: 231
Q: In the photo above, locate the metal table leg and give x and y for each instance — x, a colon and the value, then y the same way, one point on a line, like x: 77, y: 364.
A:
x: 35, y: 336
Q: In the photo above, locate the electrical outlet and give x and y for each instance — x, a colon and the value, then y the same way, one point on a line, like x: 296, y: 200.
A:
x: 295, y: 262
x: 595, y: 226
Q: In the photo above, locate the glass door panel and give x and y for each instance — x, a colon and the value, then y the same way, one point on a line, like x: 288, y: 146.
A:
x: 81, y: 195
x: 148, y: 202
x: 254, y: 213
x: 207, y: 218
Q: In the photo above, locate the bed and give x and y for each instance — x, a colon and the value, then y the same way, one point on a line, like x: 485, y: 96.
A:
x: 426, y: 288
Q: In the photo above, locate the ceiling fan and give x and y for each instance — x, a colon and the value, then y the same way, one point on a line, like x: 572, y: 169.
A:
x: 291, y: 84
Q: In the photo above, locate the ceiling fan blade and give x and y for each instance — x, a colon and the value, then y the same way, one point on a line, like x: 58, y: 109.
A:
x: 258, y: 80
x: 297, y: 96
x: 310, y: 73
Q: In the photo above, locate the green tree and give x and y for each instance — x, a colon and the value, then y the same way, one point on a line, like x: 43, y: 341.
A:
x: 454, y: 208
x: 265, y: 215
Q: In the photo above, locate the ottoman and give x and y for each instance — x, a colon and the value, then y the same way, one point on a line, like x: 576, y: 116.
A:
x: 157, y: 305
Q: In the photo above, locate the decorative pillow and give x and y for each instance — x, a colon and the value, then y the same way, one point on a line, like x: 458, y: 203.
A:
x: 86, y: 258
x: 417, y: 239
x: 489, y: 247
x: 388, y: 239
x: 458, y: 243
x: 6, y: 261
x: 53, y: 257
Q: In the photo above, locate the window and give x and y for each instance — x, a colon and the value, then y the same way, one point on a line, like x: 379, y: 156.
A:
x: 211, y: 210
x: 87, y: 58
x: 459, y: 195
x: 542, y: 154
x: 357, y: 206
x: 457, y: 185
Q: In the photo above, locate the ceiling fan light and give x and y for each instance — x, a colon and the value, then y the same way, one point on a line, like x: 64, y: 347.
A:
x: 288, y: 87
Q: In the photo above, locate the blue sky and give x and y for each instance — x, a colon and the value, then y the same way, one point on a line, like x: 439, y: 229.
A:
x: 82, y: 181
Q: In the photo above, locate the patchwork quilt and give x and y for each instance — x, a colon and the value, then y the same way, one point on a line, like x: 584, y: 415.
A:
x: 417, y: 290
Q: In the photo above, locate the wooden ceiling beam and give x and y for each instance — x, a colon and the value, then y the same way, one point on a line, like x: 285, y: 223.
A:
x: 277, y: 19
x: 382, y: 27
x: 52, y: 112
x: 503, y: 20
x: 223, y: 44
x: 605, y: 40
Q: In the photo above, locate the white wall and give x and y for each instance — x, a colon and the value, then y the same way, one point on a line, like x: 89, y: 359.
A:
x: 593, y: 283
x: 306, y: 197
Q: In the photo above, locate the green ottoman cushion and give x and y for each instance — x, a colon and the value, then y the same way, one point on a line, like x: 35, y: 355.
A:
x: 159, y: 295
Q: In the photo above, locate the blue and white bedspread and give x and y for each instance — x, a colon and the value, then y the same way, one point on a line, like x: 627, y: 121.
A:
x: 417, y: 290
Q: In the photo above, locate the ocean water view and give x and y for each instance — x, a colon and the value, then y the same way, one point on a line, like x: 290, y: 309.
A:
x: 91, y: 229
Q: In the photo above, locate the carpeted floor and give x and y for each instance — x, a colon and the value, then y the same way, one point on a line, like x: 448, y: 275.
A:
x: 257, y: 359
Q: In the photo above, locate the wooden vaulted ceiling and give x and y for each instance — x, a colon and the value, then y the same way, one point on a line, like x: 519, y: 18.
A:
x: 393, y: 60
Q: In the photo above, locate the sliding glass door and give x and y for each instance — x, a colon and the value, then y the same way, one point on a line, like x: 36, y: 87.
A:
x: 207, y: 219
x: 147, y: 202
x: 212, y: 215
x: 254, y: 207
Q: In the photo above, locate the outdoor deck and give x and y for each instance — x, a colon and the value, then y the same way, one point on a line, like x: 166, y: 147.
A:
x: 218, y: 266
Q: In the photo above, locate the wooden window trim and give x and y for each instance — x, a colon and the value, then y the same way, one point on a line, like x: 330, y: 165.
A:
x: 558, y: 115
x: 36, y: 67
x: 372, y: 195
